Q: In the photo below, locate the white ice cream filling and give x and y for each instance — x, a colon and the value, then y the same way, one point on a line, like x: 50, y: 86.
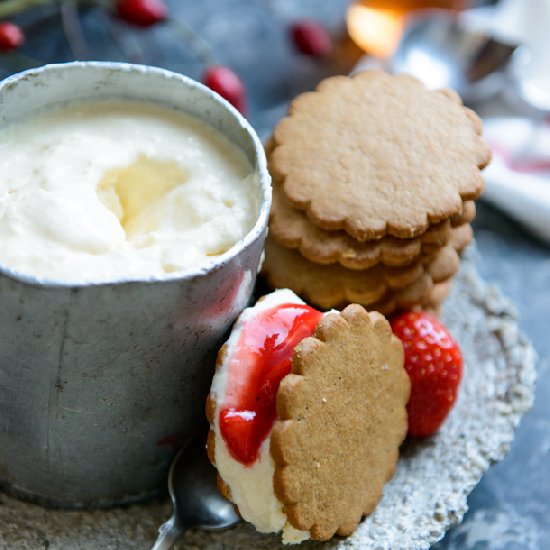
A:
x: 252, y: 486
x: 100, y: 191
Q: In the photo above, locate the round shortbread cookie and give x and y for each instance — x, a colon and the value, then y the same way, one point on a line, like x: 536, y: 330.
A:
x: 341, y: 419
x: 334, y: 285
x: 291, y: 228
x: 422, y: 294
x: 467, y: 214
x: 376, y: 154
x: 415, y: 295
x: 461, y: 237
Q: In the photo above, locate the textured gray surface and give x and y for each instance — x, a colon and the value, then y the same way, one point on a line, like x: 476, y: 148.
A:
x: 429, y: 490
x: 510, y: 507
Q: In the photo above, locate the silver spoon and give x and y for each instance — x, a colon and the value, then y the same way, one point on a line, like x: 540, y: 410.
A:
x: 197, y: 501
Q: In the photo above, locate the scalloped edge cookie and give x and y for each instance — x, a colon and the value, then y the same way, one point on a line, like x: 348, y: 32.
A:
x: 292, y: 229
x: 333, y: 285
x: 341, y: 419
x: 376, y: 154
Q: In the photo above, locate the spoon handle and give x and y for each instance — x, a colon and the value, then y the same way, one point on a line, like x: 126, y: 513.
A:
x: 169, y: 533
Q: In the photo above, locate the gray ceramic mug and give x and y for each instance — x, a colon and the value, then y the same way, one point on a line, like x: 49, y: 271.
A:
x: 99, y: 382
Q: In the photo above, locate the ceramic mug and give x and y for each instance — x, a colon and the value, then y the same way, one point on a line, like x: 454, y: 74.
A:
x: 99, y: 383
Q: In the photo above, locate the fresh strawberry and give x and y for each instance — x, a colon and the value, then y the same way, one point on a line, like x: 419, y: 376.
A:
x: 434, y: 363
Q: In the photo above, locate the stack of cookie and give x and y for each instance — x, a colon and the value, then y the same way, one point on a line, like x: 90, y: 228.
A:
x: 374, y: 183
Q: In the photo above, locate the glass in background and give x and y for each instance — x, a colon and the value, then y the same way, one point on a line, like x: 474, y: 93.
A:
x: 376, y: 25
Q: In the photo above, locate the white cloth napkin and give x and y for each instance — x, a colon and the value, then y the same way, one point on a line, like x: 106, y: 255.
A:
x: 518, y: 178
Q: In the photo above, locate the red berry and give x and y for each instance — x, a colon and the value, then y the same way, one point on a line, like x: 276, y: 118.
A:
x: 310, y: 38
x: 225, y: 82
x: 434, y: 363
x: 143, y: 13
x: 11, y: 36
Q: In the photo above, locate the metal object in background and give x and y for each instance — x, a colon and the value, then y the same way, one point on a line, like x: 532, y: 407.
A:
x: 533, y: 90
x: 441, y: 52
x: 99, y: 382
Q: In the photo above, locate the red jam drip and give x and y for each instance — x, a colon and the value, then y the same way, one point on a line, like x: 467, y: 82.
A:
x: 263, y: 357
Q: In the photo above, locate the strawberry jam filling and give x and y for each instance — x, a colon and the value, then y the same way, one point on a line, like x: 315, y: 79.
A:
x: 262, y: 358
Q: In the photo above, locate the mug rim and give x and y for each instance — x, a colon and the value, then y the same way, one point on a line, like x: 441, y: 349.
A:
x: 260, y: 169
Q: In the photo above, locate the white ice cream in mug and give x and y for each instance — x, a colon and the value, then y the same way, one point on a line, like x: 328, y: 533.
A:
x: 109, y: 190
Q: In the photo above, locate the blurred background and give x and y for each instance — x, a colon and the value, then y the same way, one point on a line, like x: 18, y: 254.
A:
x: 260, y: 54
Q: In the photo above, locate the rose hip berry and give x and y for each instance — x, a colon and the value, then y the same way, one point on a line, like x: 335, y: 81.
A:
x: 143, y: 13
x: 11, y: 36
x: 227, y: 83
x: 310, y: 38
x: 433, y: 362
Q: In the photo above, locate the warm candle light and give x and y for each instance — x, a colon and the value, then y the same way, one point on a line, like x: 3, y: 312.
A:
x: 376, y: 31
x: 376, y: 25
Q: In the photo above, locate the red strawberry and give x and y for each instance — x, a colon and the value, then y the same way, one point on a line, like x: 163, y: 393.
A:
x: 225, y: 82
x: 143, y: 13
x: 11, y: 36
x: 434, y: 363
x: 310, y: 38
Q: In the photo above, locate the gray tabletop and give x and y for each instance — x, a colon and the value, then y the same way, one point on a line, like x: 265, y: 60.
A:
x: 510, y: 507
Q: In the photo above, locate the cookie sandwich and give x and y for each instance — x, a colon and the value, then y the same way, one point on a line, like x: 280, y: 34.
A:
x: 307, y: 412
